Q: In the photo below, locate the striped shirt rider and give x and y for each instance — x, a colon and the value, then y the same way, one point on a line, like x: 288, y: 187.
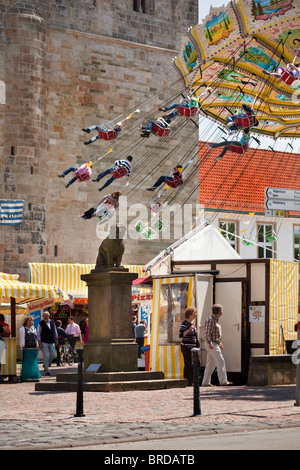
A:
x: 122, y: 163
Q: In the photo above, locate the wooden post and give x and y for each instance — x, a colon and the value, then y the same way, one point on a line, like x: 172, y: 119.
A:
x: 13, y: 316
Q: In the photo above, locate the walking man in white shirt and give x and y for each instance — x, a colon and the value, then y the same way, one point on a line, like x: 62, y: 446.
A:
x: 73, y: 330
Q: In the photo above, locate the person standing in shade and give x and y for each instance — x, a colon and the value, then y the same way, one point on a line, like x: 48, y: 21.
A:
x: 2, y: 345
x: 74, y: 331
x: 85, y: 330
x: 61, y: 335
x: 214, y: 347
x: 6, y: 329
x: 133, y: 328
x: 140, y: 331
x: 189, y: 340
x: 47, y: 338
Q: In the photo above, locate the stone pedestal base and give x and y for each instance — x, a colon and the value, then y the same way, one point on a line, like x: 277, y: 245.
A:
x: 114, y: 356
x: 110, y: 321
x: 271, y: 370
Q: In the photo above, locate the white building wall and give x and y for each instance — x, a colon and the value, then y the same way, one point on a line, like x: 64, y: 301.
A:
x: 247, y: 226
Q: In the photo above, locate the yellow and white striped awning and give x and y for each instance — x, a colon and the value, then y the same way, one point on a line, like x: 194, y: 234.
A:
x: 283, y: 304
x: 67, y: 276
x: 11, y: 277
x: 25, y: 290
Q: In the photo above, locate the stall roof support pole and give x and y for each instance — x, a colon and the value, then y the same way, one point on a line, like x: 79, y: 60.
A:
x: 297, y: 403
x: 13, y: 316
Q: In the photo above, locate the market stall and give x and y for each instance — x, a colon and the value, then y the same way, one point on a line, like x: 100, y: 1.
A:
x: 14, y: 291
x: 260, y: 300
x: 259, y: 296
x: 67, y: 277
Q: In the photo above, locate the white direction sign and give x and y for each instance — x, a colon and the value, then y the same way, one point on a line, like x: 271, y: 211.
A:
x: 282, y: 194
x: 282, y: 205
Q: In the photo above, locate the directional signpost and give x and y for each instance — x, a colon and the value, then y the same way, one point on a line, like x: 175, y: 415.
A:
x: 282, y: 199
x: 285, y: 205
x: 280, y: 193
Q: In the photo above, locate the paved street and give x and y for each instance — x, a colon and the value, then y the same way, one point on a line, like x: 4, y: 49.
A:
x: 43, y: 420
x: 279, y: 439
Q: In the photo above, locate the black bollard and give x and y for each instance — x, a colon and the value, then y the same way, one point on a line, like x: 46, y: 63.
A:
x: 79, y: 402
x: 195, y: 360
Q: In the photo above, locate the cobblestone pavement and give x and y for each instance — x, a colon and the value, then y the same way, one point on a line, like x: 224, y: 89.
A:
x: 45, y: 420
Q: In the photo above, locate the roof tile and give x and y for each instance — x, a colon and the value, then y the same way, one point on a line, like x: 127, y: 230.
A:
x: 238, y: 182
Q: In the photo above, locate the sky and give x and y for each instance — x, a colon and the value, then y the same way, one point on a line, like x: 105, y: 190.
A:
x: 280, y: 144
x: 204, y: 7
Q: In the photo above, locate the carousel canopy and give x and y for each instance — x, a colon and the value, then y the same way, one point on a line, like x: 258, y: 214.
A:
x: 228, y: 60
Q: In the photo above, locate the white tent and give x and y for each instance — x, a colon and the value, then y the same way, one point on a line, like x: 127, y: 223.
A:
x: 198, y: 245
x: 207, y: 244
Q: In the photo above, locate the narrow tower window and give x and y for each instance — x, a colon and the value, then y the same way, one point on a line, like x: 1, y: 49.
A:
x: 140, y: 6
x: 2, y: 92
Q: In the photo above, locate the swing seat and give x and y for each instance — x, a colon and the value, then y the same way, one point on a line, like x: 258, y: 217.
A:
x: 187, y: 112
x: 105, y: 212
x: 118, y: 173
x: 249, y: 240
x: 287, y: 77
x: 83, y: 174
x: 156, y: 207
x: 106, y: 132
x: 244, y: 122
x: 271, y: 236
x: 240, y: 149
x: 160, y: 131
x: 174, y: 184
x: 146, y: 232
x: 158, y: 224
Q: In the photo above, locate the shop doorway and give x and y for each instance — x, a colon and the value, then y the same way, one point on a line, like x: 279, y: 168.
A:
x: 230, y: 295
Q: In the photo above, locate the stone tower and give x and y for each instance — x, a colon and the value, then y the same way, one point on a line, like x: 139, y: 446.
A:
x: 24, y: 148
x: 69, y: 65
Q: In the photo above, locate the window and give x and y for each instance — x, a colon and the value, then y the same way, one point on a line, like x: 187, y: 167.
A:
x: 2, y: 92
x: 139, y: 5
x: 143, y: 6
x: 296, y: 242
x: 229, y: 231
x: 173, y: 302
x: 266, y: 238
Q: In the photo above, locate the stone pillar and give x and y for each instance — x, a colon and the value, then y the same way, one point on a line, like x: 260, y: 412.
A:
x: 25, y: 135
x: 110, y: 340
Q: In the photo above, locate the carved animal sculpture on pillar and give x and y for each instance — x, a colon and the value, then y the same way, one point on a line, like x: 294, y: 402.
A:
x: 111, y: 249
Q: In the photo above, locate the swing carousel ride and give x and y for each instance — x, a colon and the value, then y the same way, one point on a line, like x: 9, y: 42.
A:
x: 235, y: 52
x: 244, y: 53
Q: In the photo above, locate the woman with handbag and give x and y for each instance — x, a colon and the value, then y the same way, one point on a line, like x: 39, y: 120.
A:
x: 29, y: 345
x: 2, y: 344
x: 189, y: 340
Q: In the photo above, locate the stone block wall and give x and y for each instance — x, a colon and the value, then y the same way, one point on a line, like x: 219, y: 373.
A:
x: 68, y: 66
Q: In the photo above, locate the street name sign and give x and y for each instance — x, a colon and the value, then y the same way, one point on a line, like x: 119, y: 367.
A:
x: 286, y: 205
x: 282, y: 194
